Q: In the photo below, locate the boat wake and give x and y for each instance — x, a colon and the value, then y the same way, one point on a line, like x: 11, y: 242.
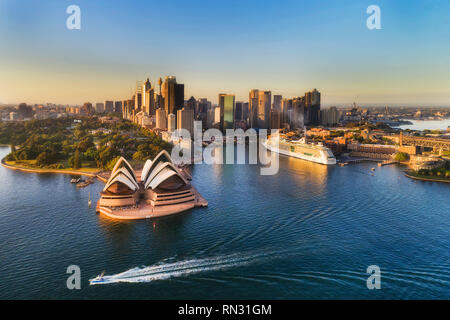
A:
x: 164, y: 270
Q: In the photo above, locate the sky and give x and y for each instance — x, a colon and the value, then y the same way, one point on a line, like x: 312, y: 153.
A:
x: 215, y: 46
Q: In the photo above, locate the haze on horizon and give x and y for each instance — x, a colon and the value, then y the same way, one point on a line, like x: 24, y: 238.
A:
x: 288, y: 47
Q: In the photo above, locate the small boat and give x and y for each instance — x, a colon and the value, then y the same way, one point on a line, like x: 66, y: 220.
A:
x: 74, y: 180
x: 373, y: 169
x: 98, y: 279
x: 89, y: 200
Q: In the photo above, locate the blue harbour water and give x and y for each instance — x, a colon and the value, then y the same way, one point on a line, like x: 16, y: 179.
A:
x: 309, y: 232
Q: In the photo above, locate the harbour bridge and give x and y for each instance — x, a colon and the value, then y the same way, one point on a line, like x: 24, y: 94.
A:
x: 435, y: 143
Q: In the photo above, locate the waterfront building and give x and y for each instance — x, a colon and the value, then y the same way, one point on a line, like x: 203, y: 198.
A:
x: 227, y: 110
x: 160, y: 189
x: 185, y: 120
x: 161, y: 119
x: 122, y: 187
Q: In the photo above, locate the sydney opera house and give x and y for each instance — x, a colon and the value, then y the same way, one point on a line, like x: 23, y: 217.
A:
x: 159, y: 189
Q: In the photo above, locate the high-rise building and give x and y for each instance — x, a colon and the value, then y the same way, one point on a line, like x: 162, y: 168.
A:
x: 277, y: 102
x: 217, y: 116
x: 172, y: 95
x: 275, y: 119
x: 253, y: 108
x: 191, y: 104
x: 238, y: 114
x: 203, y: 105
x: 99, y: 107
x: 312, y: 107
x: 118, y: 106
x: 329, y: 117
x: 138, y: 97
x: 286, y: 104
x: 87, y: 108
x: 161, y: 119
x: 109, y: 106
x: 148, y: 98
x: 227, y: 109
x: 245, y: 111
x: 185, y: 120
x: 264, y: 106
x: 298, y: 113
x: 171, y: 123
x: 210, y: 118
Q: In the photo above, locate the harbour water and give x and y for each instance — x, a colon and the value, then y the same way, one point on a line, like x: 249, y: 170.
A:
x: 309, y: 232
x: 427, y: 124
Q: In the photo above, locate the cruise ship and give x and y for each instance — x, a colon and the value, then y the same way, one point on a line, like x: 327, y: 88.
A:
x: 300, y: 149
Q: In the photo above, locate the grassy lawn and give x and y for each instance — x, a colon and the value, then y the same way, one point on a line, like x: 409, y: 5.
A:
x: 415, y: 174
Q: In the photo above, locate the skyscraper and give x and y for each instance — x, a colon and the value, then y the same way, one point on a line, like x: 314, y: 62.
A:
x: 298, y: 113
x: 185, y: 120
x: 253, y: 108
x: 312, y: 107
x: 275, y: 119
x: 227, y: 109
x: 239, y: 111
x: 161, y: 119
x: 264, y: 106
x: 172, y: 94
x: 118, y: 106
x: 99, y: 107
x: 277, y: 102
x: 109, y: 106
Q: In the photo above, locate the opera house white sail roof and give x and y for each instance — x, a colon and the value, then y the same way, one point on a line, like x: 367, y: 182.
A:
x: 122, y: 178
x: 162, y: 172
x: 157, y: 173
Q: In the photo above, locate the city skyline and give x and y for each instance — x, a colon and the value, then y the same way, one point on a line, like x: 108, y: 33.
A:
x: 288, y: 48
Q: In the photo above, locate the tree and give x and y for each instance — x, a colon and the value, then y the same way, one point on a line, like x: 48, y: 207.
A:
x: 76, y: 160
x: 45, y: 158
x: 401, y: 156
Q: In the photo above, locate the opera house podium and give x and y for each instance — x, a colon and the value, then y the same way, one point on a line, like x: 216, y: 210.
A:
x: 162, y: 189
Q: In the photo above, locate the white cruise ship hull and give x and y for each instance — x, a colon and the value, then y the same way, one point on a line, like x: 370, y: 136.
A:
x: 322, y: 160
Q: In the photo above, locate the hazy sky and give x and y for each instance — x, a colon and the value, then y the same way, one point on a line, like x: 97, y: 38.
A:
x: 230, y: 46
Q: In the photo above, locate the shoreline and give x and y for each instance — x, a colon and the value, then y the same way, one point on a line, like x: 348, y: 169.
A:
x: 425, y: 179
x: 58, y: 171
